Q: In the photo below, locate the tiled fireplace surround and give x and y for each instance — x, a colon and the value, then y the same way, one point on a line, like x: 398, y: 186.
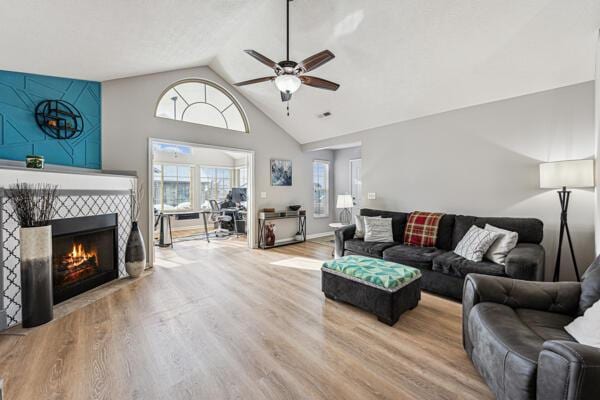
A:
x: 93, y: 196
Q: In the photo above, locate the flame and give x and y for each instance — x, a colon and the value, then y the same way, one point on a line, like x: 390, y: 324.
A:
x: 79, y: 255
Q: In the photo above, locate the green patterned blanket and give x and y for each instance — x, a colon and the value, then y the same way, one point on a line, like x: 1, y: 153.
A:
x: 380, y: 273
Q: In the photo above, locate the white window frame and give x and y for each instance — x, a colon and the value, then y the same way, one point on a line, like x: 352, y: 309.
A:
x: 231, y: 179
x: 325, y: 211
x: 162, y: 166
x: 205, y: 82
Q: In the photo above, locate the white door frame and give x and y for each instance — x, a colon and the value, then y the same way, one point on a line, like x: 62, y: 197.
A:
x: 251, y: 234
x: 359, y: 200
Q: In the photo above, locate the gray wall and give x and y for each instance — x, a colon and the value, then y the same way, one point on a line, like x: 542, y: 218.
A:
x: 128, y: 107
x: 483, y: 160
x: 341, y: 171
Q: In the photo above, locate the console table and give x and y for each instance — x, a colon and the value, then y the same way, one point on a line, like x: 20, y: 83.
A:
x: 264, y: 217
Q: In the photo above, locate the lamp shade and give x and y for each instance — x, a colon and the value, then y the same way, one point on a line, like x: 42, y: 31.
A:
x: 344, y: 201
x: 572, y: 173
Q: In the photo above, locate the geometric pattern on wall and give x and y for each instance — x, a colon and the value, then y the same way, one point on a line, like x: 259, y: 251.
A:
x: 19, y: 133
x: 67, y: 206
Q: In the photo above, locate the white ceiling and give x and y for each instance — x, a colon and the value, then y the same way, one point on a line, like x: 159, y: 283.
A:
x: 395, y: 59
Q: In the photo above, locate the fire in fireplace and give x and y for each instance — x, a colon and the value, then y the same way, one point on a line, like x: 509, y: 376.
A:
x: 77, y: 264
x: 84, y: 254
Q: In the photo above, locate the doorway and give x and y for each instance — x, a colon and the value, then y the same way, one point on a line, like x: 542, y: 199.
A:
x: 355, y: 184
x: 199, y: 194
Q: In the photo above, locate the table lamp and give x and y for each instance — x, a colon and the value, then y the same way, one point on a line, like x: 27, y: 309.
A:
x: 564, y: 174
x: 345, y: 202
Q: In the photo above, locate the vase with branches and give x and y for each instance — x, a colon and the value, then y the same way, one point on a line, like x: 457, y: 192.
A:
x: 135, y: 252
x: 33, y: 205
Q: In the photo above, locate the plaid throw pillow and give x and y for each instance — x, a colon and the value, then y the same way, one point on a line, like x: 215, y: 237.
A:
x: 421, y: 228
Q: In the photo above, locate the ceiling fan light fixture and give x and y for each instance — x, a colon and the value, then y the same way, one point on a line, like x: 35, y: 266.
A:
x: 287, y: 83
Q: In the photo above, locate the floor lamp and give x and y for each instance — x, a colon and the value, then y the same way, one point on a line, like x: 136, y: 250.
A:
x: 563, y: 175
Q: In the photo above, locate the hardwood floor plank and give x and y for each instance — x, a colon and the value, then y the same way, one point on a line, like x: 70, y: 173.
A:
x: 220, y: 321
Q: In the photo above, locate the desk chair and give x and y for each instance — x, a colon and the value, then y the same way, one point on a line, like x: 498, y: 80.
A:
x: 219, y: 217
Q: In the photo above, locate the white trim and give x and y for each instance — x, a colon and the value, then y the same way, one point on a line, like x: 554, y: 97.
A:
x: 318, y: 235
x: 251, y: 203
x: 308, y: 237
x: 358, y: 198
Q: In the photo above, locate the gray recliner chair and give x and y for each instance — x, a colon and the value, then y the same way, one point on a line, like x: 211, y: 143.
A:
x: 513, y: 330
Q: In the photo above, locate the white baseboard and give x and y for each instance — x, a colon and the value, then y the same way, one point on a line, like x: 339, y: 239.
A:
x: 318, y: 235
x: 308, y: 237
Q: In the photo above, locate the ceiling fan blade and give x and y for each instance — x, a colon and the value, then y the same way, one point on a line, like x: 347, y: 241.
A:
x: 319, y: 83
x: 257, y: 80
x: 267, y: 61
x: 286, y: 96
x: 316, y: 60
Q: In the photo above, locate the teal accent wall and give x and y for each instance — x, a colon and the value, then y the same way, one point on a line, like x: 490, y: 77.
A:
x: 19, y: 133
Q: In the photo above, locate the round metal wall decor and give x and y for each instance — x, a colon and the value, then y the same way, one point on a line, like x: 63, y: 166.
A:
x: 59, y: 119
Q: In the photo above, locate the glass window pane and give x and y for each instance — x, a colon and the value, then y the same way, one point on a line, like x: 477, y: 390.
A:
x: 192, y: 92
x: 201, y: 103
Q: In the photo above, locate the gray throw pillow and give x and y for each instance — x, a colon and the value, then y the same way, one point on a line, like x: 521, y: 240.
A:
x: 378, y: 229
x: 502, y: 246
x: 475, y: 243
x: 359, y: 221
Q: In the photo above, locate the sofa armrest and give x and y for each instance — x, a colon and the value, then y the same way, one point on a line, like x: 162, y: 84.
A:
x: 341, y: 235
x: 527, y: 262
x: 557, y: 297
x: 568, y: 371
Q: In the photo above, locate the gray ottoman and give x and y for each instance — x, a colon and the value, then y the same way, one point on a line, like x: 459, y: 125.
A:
x: 383, y: 288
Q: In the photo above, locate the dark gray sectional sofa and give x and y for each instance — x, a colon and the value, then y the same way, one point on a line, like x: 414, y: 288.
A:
x: 443, y: 272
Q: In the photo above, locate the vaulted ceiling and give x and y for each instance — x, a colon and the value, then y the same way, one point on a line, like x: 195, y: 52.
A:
x: 395, y: 59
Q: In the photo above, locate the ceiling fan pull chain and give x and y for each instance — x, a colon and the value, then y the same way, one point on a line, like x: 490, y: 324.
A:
x: 288, y: 108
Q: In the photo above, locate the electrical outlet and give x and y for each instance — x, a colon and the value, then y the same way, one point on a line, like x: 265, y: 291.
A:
x: 263, y: 195
x: 371, y: 196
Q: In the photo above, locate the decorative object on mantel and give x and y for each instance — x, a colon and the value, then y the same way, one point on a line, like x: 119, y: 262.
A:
x: 34, y: 162
x: 59, y: 119
x: 345, y: 202
x: 34, y: 208
x: 135, y: 252
x: 294, y: 207
x: 563, y: 174
x: 281, y: 173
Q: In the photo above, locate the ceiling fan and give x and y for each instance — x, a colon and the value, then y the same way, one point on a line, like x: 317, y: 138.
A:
x: 289, y: 75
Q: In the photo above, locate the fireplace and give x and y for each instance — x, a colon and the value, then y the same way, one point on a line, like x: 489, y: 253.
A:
x: 84, y: 254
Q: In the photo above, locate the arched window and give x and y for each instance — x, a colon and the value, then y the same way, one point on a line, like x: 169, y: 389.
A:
x: 202, y: 102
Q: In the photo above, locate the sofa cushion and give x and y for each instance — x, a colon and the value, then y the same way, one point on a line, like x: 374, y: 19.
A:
x: 451, y: 263
x: 398, y: 220
x: 506, y: 346
x: 590, y: 286
x: 420, y: 257
x: 545, y: 324
x: 530, y: 230
x: 444, y: 233
x: 371, y: 249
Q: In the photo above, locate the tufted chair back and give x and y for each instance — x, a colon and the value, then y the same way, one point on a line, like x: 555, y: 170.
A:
x: 590, y: 286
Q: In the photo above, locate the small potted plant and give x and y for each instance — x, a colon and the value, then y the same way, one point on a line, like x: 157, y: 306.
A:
x: 34, y: 208
x: 135, y: 252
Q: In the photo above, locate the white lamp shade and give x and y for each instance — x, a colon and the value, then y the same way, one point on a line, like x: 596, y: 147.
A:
x: 572, y: 173
x: 344, y: 201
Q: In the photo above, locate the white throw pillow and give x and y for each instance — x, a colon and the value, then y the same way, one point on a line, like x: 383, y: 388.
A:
x: 500, y: 248
x: 359, y: 221
x: 475, y: 243
x: 378, y: 229
x: 586, y: 329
